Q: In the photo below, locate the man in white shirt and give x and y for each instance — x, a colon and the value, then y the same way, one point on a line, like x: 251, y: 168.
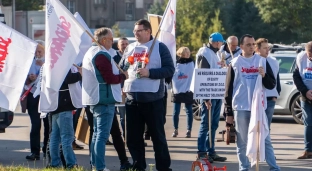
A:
x: 262, y: 48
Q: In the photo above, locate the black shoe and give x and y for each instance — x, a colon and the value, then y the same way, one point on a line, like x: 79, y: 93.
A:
x: 76, y: 146
x: 216, y: 157
x: 33, y: 156
x: 126, y: 166
x: 109, y: 143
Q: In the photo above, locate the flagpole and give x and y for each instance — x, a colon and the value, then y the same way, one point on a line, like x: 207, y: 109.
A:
x: 258, y: 145
x: 209, y: 122
x: 161, y: 21
x: 230, y: 50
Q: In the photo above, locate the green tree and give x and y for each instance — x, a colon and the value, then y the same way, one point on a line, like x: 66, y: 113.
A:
x: 196, y: 20
x: 158, y: 8
x: 291, y: 17
x: 116, y: 31
x: 25, y: 5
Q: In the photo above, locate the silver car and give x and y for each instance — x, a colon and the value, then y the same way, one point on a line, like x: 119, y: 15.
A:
x: 289, y: 101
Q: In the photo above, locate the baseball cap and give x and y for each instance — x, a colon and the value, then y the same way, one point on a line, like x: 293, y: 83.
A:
x: 216, y: 37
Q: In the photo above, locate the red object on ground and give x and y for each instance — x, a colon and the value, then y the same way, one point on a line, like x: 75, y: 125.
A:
x: 202, y: 164
x: 220, y: 168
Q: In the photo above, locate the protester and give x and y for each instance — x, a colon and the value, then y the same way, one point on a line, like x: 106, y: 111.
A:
x: 240, y: 83
x: 181, y: 83
x: 60, y: 105
x: 145, y: 91
x: 101, y: 89
x: 225, y: 52
x: 206, y: 57
x: 122, y: 45
x: 303, y: 80
x: 31, y: 104
x: 117, y: 139
x: 262, y: 48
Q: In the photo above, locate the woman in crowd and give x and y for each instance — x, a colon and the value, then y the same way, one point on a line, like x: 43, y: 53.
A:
x: 181, y: 83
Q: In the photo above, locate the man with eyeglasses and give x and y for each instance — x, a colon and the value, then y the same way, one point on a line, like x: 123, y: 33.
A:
x: 240, y: 84
x: 263, y: 48
x: 206, y: 57
x: 225, y: 52
x: 145, y: 91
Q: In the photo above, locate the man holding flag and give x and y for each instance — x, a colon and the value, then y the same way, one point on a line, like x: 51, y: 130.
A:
x: 148, y: 62
x: 240, y: 85
x: 262, y: 48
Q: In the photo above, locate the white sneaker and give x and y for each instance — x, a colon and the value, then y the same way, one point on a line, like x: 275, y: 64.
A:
x: 106, y: 169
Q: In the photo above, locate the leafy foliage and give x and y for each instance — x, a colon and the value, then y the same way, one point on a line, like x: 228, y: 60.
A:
x: 25, y: 5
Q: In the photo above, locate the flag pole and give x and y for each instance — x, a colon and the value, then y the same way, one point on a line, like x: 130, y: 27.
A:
x: 209, y: 122
x: 230, y: 50
x: 258, y: 145
x: 152, y: 47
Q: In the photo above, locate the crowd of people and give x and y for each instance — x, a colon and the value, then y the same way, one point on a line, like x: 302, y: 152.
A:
x: 138, y: 76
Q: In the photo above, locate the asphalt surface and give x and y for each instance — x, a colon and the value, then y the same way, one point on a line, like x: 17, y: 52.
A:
x: 287, y: 139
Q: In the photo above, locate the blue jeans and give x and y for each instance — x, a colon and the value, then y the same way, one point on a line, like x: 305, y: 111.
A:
x: 307, y: 121
x: 176, y: 113
x: 242, y: 119
x: 269, y: 150
x: 102, y: 123
x: 62, y: 132
x: 203, y: 135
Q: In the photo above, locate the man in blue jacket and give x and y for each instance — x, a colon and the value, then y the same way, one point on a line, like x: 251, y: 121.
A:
x: 145, y: 90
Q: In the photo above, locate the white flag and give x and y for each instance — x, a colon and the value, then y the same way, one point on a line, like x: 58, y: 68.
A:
x: 167, y: 28
x: 16, y: 55
x: 258, y: 124
x: 86, y: 40
x: 63, y: 38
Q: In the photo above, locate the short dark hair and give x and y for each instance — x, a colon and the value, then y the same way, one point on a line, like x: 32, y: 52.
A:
x: 146, y: 24
x: 241, y: 41
x: 122, y: 38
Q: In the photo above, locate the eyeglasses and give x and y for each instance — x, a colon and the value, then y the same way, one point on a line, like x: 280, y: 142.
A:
x: 138, y: 31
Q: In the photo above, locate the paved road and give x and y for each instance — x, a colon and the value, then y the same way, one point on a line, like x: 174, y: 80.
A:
x: 287, y: 138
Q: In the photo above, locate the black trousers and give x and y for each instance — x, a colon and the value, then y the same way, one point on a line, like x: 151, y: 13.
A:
x: 32, y: 108
x: 165, y: 104
x: 115, y: 133
x: 152, y: 114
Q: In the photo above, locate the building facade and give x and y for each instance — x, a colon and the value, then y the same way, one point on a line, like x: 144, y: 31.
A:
x: 106, y: 13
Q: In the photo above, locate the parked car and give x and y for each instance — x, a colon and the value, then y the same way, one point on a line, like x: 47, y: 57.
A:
x: 6, y: 118
x: 289, y: 101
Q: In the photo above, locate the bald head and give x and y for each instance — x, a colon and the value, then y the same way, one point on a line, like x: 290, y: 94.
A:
x: 233, y: 42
